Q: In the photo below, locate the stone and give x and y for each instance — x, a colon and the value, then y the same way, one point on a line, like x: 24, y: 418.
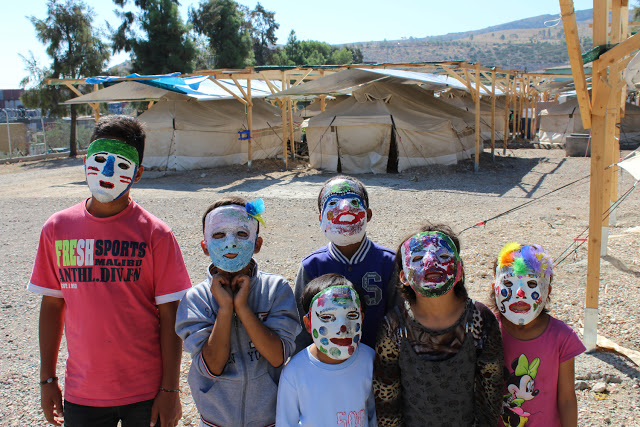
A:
x: 599, y: 387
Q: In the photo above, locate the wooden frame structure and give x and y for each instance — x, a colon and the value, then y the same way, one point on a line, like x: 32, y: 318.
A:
x: 600, y: 113
x: 515, y: 85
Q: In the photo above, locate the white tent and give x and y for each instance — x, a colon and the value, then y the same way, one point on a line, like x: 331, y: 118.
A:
x: 186, y: 134
x: 464, y: 100
x: 561, y: 120
x: 385, y: 120
x: 200, y: 127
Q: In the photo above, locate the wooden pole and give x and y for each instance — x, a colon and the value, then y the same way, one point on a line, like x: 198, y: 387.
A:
x: 293, y: 144
x: 505, y: 136
x: 283, y: 106
x: 476, y: 165
x: 598, y: 142
x: 323, y: 103
x: 516, y: 106
x: 249, y: 123
x: 493, y: 116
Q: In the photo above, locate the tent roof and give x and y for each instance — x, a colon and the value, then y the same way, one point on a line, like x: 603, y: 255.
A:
x: 125, y: 91
x: 346, y: 81
x: 154, y: 87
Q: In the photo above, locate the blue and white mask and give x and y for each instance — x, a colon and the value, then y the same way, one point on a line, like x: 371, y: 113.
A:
x: 230, y: 235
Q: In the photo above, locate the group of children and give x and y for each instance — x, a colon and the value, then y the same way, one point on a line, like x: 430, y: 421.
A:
x: 367, y: 337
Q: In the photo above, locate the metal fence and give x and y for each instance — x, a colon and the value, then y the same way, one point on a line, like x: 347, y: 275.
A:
x: 26, y: 133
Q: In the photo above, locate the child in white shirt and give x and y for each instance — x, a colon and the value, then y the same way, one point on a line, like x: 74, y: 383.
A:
x: 329, y: 382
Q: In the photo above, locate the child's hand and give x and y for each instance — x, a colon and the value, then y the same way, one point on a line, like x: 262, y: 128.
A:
x: 241, y: 285
x: 221, y: 290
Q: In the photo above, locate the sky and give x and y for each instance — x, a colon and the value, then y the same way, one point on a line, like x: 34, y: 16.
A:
x: 331, y: 21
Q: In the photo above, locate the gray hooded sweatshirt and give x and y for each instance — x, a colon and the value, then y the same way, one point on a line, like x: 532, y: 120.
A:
x: 246, y: 391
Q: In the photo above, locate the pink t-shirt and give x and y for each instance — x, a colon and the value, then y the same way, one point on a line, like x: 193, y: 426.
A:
x: 112, y: 272
x: 531, y: 376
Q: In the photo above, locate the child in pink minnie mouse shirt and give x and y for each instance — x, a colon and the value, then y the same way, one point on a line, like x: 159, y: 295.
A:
x: 539, y: 350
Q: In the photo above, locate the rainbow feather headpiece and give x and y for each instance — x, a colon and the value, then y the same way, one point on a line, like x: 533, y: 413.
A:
x: 525, y: 260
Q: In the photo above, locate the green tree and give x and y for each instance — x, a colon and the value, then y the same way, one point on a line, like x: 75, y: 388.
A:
x: 164, y: 45
x: 222, y: 23
x: 262, y: 28
x: 76, y: 52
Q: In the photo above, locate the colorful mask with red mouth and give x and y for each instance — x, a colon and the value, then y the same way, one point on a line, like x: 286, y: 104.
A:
x: 336, y: 321
x: 230, y: 233
x: 431, y: 263
x: 344, y: 212
x: 110, y: 168
x: 523, y: 276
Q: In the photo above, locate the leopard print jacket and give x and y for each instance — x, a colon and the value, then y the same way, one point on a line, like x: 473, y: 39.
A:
x: 488, y: 379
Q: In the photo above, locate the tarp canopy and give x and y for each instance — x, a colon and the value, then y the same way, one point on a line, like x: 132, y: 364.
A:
x: 197, y: 87
x: 346, y: 81
x: 386, y: 120
x: 121, y: 92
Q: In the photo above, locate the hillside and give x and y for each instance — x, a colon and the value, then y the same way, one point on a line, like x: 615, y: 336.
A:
x: 527, y: 44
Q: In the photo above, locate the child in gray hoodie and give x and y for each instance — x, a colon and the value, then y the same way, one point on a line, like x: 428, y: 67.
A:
x: 239, y: 324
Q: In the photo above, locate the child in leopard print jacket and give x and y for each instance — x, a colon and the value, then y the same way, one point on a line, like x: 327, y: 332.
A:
x: 439, y: 355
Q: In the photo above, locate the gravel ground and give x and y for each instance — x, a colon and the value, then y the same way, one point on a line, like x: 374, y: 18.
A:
x: 30, y: 192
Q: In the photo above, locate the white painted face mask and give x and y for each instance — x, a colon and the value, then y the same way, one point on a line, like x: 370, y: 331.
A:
x: 336, y: 321
x: 344, y: 219
x: 230, y: 235
x: 523, y: 277
x: 431, y: 263
x: 520, y: 298
x: 110, y: 168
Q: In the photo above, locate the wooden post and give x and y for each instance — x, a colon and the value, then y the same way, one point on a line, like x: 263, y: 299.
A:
x: 598, y: 142
x: 534, y: 112
x: 493, y: 116
x: 293, y: 144
x: 249, y: 123
x: 516, y: 106
x: 96, y: 106
x: 505, y: 136
x: 323, y: 103
x: 283, y: 106
x: 476, y: 165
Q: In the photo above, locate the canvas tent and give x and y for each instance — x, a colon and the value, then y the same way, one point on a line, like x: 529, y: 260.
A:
x: 561, y: 120
x: 195, y: 124
x: 464, y: 100
x: 384, y: 122
x: 185, y: 134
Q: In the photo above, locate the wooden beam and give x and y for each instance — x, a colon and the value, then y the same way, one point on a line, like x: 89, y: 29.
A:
x: 476, y: 165
x: 493, y: 114
x: 249, y: 125
x: 244, y: 94
x: 73, y: 88
x: 458, y: 77
x: 619, y: 51
x: 300, y: 79
x: 505, y: 135
x: 228, y: 90
x: 271, y: 86
x: 575, y: 58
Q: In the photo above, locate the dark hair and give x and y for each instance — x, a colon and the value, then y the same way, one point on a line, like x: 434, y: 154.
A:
x: 407, y: 292
x: 125, y: 128
x: 323, y: 282
x: 365, y: 194
x: 226, y: 201
x: 491, y: 302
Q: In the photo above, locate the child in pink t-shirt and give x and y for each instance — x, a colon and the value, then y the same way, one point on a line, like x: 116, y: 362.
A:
x: 539, y: 350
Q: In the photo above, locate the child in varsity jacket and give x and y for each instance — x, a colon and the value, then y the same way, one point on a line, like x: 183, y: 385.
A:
x: 343, y: 204
x: 239, y: 324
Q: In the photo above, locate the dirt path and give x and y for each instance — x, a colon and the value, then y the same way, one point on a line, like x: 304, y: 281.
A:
x: 31, y: 192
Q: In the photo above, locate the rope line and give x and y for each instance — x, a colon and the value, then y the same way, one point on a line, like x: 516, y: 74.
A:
x: 484, y: 222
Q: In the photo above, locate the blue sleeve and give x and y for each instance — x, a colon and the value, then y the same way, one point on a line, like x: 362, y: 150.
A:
x: 371, y: 410
x: 283, y: 318
x: 303, y: 340
x: 194, y: 322
x: 288, y: 406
